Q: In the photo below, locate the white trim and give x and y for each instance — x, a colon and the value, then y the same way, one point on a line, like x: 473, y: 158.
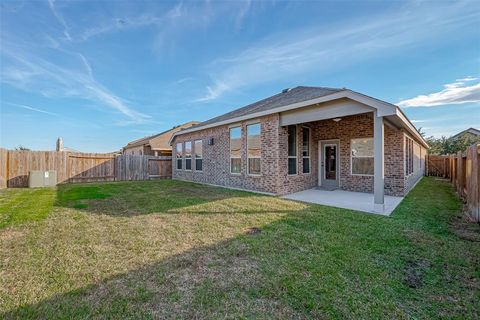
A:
x: 260, y: 136
x: 351, y: 162
x: 185, y: 156
x: 296, y: 150
x: 195, y: 154
x: 411, y: 128
x: 309, y: 157
x: 176, y: 157
x: 230, y: 150
x: 320, y: 153
x: 383, y: 109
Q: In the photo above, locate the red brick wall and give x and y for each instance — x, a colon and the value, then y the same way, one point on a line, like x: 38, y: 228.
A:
x: 274, y: 177
x: 358, y: 126
x: 216, y: 158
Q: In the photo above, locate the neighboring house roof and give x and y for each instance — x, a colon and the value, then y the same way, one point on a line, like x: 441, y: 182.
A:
x: 306, y: 96
x: 160, y: 141
x: 471, y: 131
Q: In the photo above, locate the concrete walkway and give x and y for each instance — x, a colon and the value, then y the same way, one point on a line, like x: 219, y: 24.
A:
x: 345, y: 199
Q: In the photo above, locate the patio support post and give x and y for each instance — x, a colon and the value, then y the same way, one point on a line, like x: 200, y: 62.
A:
x: 379, y: 174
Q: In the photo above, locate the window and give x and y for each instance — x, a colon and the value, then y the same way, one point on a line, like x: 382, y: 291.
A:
x: 408, y: 156
x: 188, y: 155
x: 306, y: 149
x: 254, y: 148
x: 179, y: 156
x: 362, y: 156
x: 292, y: 150
x: 198, y: 155
x: 235, y: 150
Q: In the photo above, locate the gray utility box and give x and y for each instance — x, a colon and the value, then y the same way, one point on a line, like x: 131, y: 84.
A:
x: 38, y: 178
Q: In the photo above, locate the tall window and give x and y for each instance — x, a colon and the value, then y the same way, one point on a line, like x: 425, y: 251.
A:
x: 362, y: 156
x: 254, y: 148
x: 198, y: 155
x: 292, y: 149
x: 179, y: 155
x: 188, y: 155
x: 306, y: 149
x: 235, y: 150
x: 408, y: 156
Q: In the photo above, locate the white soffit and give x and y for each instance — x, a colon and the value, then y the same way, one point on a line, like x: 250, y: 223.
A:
x: 327, y: 110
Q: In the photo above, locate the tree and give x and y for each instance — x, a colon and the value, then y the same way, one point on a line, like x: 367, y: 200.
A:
x: 450, y: 145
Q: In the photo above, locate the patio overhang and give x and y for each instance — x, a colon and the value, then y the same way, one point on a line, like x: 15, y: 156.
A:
x: 347, y: 107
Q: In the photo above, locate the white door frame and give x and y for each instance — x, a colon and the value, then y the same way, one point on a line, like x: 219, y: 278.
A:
x: 320, y: 154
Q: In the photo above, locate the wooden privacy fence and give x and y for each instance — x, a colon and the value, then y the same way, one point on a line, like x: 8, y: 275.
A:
x: 80, y: 167
x: 463, y: 170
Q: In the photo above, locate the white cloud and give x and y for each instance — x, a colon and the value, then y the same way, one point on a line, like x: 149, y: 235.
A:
x: 457, y: 92
x: 61, y: 20
x: 320, y: 50
x: 32, y: 73
x: 214, y: 92
x: 23, y: 106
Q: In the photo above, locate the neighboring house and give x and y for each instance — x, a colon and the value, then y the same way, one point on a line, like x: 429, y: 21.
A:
x: 156, y: 145
x: 304, y: 138
x: 470, y: 133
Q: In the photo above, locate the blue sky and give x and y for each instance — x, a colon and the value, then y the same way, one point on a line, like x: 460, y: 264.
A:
x: 102, y: 73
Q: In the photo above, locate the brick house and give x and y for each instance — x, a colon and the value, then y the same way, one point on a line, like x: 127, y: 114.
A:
x: 155, y: 145
x: 303, y: 138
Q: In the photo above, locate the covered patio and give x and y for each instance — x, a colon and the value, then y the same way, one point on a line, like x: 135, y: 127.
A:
x: 359, y: 201
x: 360, y: 127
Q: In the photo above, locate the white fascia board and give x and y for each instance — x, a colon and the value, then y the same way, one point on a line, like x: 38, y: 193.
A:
x: 383, y: 109
x: 411, y: 128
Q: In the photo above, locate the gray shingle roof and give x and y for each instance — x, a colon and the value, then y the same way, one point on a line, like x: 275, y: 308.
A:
x: 291, y: 96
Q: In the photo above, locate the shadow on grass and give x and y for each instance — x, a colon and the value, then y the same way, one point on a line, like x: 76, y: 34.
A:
x: 158, y: 196
x: 295, y: 267
x: 317, y: 262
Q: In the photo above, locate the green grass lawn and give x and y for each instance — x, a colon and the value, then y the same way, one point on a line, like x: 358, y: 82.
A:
x: 170, y: 249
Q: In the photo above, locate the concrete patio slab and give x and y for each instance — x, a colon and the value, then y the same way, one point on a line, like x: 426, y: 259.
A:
x: 345, y: 199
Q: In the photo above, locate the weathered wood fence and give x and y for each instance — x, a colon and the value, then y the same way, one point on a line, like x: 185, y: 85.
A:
x: 463, y: 170
x: 80, y: 167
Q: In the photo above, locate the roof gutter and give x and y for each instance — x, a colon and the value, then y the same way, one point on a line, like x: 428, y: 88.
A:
x: 383, y: 109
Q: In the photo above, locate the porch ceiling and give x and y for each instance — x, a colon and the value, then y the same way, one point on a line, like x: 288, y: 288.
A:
x: 323, y: 111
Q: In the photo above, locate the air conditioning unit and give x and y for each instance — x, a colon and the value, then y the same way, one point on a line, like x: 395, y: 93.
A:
x: 39, y: 178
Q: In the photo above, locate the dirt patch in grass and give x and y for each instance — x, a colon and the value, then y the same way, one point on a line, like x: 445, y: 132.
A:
x: 465, y: 229
x: 253, y: 231
x: 414, y: 273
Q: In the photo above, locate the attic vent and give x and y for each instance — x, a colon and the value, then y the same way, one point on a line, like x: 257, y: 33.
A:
x: 285, y: 90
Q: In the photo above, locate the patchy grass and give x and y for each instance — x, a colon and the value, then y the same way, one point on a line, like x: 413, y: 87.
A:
x: 169, y: 249
x: 22, y: 205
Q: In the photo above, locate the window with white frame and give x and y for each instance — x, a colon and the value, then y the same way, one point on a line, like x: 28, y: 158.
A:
x: 188, y: 155
x: 306, y: 149
x: 198, y: 149
x: 254, y: 148
x: 179, y: 155
x: 235, y: 150
x: 292, y: 149
x: 362, y: 155
x: 409, y: 155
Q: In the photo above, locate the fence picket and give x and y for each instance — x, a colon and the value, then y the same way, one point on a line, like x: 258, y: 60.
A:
x: 79, y: 167
x: 463, y: 170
